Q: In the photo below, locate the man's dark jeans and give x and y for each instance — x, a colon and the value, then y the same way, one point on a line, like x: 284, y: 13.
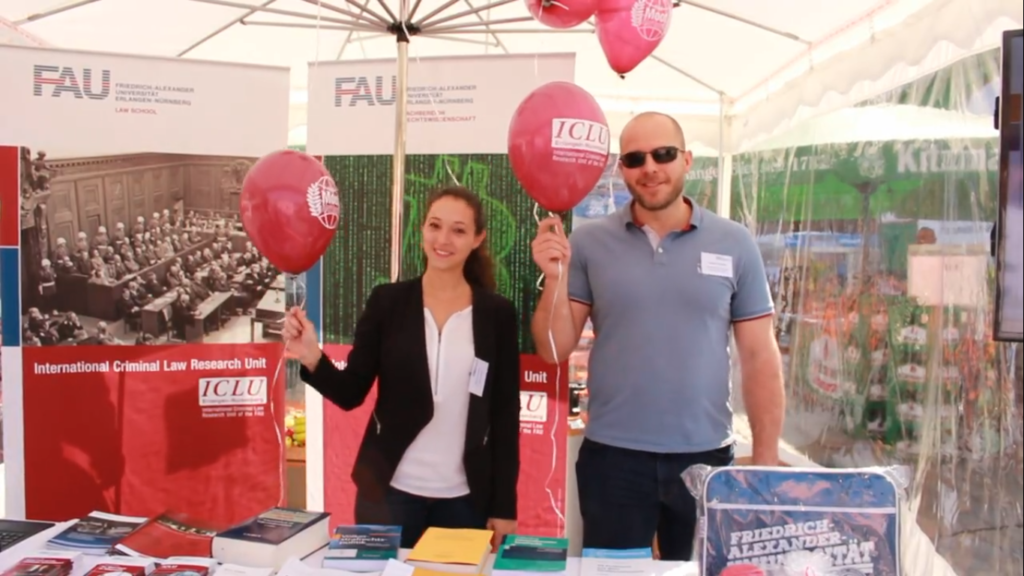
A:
x: 417, y: 513
x: 628, y: 496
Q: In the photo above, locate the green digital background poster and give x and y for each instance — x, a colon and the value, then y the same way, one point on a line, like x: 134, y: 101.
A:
x: 359, y: 257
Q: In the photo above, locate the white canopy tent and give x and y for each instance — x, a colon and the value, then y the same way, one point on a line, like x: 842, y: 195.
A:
x: 732, y: 70
x: 736, y: 72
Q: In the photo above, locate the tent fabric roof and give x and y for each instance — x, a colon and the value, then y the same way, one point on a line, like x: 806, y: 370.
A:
x: 717, y: 52
x: 769, y: 63
x: 924, y: 42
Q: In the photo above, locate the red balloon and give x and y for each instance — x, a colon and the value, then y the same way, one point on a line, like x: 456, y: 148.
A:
x: 743, y: 570
x: 561, y: 14
x: 630, y: 30
x: 290, y: 209
x: 558, y: 145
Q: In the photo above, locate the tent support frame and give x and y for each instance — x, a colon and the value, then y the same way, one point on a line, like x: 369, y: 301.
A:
x: 430, y: 25
x: 223, y: 28
x: 53, y: 12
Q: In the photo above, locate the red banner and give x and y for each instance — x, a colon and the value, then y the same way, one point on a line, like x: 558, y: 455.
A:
x: 543, y: 437
x: 139, y: 430
x: 10, y: 225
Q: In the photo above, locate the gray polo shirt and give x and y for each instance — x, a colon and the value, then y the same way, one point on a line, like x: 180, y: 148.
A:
x: 662, y: 310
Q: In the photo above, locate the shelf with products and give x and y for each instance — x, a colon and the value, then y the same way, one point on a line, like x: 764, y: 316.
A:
x: 923, y: 367
x: 295, y: 434
x: 893, y: 368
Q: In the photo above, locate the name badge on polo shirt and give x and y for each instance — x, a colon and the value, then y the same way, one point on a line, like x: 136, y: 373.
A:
x: 715, y: 265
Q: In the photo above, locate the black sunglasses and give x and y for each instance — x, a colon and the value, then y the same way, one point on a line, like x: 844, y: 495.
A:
x: 662, y: 155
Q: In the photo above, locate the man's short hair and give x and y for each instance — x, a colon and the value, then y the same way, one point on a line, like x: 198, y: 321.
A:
x: 672, y: 121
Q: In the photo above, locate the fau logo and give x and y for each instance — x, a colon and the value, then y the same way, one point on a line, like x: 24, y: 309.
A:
x: 533, y: 406
x: 358, y: 89
x: 64, y: 79
x: 233, y: 391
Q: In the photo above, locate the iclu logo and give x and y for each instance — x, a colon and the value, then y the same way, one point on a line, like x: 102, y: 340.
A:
x: 65, y: 80
x: 322, y: 198
x: 651, y: 18
x: 533, y: 406
x: 358, y: 89
x: 233, y: 391
x: 578, y: 134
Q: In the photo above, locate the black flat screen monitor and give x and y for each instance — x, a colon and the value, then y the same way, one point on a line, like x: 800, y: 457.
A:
x: 1009, y: 313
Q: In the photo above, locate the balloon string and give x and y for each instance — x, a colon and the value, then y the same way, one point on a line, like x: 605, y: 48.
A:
x: 558, y: 386
x: 299, y: 286
x: 433, y: 106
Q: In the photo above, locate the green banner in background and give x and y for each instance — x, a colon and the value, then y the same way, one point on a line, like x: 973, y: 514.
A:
x: 359, y: 257
x: 920, y: 179
x: 935, y: 162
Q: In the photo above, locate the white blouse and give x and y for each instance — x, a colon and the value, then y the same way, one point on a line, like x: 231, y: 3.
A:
x: 432, y: 466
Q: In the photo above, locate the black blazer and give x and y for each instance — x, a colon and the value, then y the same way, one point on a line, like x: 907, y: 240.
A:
x: 390, y: 346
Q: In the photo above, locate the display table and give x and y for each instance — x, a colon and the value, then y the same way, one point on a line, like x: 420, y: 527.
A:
x: 572, y: 566
x: 10, y: 557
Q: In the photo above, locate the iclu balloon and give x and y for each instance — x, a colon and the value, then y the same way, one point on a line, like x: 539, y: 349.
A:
x: 630, y: 30
x: 558, y: 144
x: 561, y: 14
x: 290, y: 209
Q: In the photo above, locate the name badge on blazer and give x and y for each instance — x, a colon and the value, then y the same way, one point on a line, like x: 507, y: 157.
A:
x: 477, y: 377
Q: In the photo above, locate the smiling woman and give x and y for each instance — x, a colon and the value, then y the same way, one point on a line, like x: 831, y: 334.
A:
x: 443, y: 348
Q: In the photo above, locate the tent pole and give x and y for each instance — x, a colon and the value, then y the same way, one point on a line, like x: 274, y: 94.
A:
x: 747, y: 21
x: 53, y: 12
x: 478, y: 28
x: 486, y: 24
x: 489, y: 29
x: 724, y: 160
x: 223, y: 28
x: 350, y: 27
x: 351, y: 33
x: 352, y: 16
x: 415, y: 8
x: 398, y: 160
x: 489, y: 44
x: 365, y: 14
x: 448, y: 4
x: 449, y: 18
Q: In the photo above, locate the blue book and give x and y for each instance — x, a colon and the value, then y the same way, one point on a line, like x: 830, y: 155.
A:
x: 628, y: 554
x: 365, y: 548
x: 96, y: 534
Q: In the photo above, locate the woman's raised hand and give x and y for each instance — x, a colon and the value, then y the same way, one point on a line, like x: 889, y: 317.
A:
x: 300, y: 338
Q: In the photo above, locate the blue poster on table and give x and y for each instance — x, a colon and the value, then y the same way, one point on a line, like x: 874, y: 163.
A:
x: 782, y: 522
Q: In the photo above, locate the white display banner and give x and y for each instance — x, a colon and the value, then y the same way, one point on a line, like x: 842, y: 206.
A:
x: 456, y: 105
x: 75, y: 104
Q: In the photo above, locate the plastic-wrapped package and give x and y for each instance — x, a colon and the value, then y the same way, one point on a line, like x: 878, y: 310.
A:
x: 798, y: 522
